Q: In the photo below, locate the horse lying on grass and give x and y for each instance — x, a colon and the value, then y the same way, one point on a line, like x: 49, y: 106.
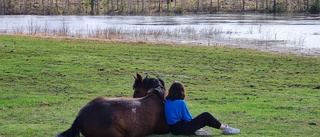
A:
x: 124, y: 117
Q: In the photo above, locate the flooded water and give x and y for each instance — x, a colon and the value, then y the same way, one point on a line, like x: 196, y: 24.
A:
x: 299, y: 34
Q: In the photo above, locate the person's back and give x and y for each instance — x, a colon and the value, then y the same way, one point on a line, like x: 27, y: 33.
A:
x: 176, y: 110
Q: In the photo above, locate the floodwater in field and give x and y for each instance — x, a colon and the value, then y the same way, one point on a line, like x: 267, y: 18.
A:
x: 266, y: 32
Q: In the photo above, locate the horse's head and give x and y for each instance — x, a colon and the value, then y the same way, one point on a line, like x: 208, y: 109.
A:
x: 142, y: 86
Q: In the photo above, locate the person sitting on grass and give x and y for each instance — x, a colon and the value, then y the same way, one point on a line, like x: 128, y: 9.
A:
x: 181, y: 121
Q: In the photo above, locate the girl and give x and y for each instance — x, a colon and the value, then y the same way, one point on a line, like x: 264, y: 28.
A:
x: 181, y: 121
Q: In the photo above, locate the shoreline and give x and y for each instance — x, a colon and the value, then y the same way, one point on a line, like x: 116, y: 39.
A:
x: 279, y: 34
x: 306, y: 52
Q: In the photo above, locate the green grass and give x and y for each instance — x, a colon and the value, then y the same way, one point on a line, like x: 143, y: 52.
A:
x: 45, y: 81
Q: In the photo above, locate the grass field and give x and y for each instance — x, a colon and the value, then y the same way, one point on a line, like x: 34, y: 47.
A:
x: 45, y: 81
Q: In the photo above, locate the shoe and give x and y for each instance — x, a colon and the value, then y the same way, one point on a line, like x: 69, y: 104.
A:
x: 202, y: 132
x: 230, y: 130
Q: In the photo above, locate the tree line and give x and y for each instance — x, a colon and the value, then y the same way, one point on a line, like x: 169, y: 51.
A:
x: 149, y: 7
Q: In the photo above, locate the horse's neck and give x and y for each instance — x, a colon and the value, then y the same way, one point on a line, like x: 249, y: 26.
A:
x: 152, y: 99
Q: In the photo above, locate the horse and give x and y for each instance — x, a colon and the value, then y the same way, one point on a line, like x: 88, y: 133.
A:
x: 124, y: 117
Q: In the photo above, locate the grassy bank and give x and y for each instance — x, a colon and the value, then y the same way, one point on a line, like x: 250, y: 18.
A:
x: 44, y: 82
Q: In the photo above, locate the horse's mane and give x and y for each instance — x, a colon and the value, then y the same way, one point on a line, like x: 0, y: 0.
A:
x: 159, y: 91
x: 156, y: 85
x: 153, y: 82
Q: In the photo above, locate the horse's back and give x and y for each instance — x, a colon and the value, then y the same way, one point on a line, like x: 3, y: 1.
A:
x: 111, y: 117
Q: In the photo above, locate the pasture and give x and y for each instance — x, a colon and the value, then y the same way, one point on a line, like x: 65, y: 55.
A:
x: 45, y: 81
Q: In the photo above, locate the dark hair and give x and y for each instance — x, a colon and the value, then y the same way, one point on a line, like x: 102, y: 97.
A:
x: 176, y: 91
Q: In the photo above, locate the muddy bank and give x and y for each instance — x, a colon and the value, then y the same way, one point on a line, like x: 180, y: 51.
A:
x: 271, y: 46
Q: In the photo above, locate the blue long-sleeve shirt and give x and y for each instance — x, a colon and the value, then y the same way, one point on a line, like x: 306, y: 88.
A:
x: 176, y: 110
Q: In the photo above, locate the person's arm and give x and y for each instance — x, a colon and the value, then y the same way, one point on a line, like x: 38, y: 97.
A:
x: 185, y: 114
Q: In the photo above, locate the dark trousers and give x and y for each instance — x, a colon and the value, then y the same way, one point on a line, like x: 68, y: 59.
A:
x: 188, y: 128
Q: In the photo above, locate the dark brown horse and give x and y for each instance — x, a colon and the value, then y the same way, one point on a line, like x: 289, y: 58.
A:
x: 124, y: 117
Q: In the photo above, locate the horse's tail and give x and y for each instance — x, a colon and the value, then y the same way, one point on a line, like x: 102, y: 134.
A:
x: 73, y: 131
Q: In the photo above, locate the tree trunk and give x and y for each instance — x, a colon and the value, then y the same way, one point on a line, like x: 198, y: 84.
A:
x: 168, y: 5
x: 129, y: 6
x: 68, y: 6
x: 201, y: 5
x: 78, y: 7
x: 243, y: 4
x: 92, y: 7
x: 218, y: 5
x: 112, y: 5
x: 43, y: 7
x: 142, y: 6
x: 57, y: 7
x: 274, y: 6
x: 148, y: 6
x: 267, y: 5
x: 122, y: 5
x: 117, y: 8
x: 299, y: 7
x: 97, y: 7
x: 198, y: 6
x: 2, y: 7
x: 210, y: 11
x: 24, y: 8
x: 159, y: 6
x: 286, y: 5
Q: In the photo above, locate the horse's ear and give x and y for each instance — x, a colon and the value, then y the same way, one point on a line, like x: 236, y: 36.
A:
x: 138, y: 77
x: 162, y: 82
